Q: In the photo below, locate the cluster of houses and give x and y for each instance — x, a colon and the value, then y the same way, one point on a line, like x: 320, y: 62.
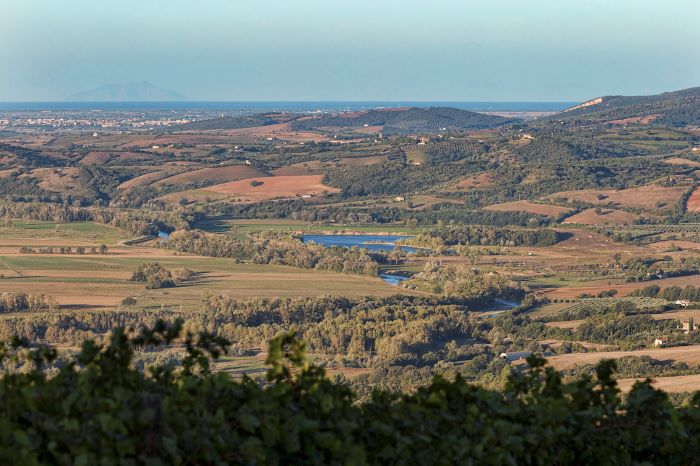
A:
x: 687, y: 327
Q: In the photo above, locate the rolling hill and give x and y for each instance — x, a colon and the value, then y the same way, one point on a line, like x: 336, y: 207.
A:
x: 246, y: 121
x: 409, y: 120
x: 678, y: 108
x: 406, y: 120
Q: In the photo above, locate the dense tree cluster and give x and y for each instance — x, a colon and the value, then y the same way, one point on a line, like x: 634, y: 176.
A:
x: 394, y: 177
x: 486, y: 236
x: 96, y: 408
x: 640, y: 269
x: 135, y: 221
x: 464, y: 281
x: 359, y: 332
x: 275, y: 250
x: 153, y: 275
x: 671, y: 293
x: 18, y: 302
x: 612, y: 326
x: 639, y: 367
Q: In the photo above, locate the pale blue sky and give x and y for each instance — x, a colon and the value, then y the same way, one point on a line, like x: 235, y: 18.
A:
x: 478, y: 50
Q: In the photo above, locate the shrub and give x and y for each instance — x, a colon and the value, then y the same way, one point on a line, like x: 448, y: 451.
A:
x: 98, y: 409
x: 129, y: 301
x: 183, y: 274
x: 153, y: 275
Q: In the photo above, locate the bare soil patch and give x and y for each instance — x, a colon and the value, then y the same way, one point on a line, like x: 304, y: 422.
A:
x: 275, y: 187
x: 666, y: 244
x: 481, y: 180
x: 220, y: 174
x: 93, y: 158
x: 680, y: 315
x: 694, y: 201
x: 688, y: 354
x: 369, y: 129
x: 681, y: 161
x: 606, y: 217
x: 643, y: 197
x: 674, y: 384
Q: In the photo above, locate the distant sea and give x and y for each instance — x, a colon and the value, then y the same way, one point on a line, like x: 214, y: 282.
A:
x: 283, y: 106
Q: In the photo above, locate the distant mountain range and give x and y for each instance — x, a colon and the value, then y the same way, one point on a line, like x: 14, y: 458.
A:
x: 676, y: 108
x: 127, y: 92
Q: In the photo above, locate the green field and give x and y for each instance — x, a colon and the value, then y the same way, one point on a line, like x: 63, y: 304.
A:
x: 55, y: 232
x: 103, y: 281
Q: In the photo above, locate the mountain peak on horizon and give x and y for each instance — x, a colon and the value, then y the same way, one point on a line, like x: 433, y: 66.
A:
x: 142, y: 91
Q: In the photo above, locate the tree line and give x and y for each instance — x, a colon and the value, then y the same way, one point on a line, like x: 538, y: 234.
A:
x: 485, y: 236
x: 275, y: 249
x: 135, y: 221
x: 98, y: 408
x: 19, y: 302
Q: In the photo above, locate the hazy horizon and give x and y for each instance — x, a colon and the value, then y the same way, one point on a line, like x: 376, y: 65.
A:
x: 361, y: 51
x: 237, y: 107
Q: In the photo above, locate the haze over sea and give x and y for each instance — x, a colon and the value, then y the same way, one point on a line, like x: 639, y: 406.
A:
x: 290, y: 106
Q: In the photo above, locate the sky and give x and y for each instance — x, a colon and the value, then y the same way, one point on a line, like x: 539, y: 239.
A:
x: 355, y: 50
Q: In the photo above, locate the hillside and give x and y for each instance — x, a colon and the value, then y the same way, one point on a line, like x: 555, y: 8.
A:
x: 406, y: 120
x: 390, y: 121
x: 246, y: 121
x: 678, y: 108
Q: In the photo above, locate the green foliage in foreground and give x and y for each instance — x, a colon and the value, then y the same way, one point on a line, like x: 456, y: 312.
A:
x: 98, y: 410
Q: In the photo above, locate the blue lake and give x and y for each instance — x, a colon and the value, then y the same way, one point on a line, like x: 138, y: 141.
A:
x: 164, y: 235
x: 392, y: 279
x: 376, y: 243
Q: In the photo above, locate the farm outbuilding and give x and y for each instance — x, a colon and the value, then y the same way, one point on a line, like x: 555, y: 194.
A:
x: 661, y: 341
x: 515, y: 356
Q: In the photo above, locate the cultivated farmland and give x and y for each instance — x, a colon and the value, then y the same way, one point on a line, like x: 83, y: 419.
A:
x: 605, y: 217
x: 272, y: 187
x: 530, y: 207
